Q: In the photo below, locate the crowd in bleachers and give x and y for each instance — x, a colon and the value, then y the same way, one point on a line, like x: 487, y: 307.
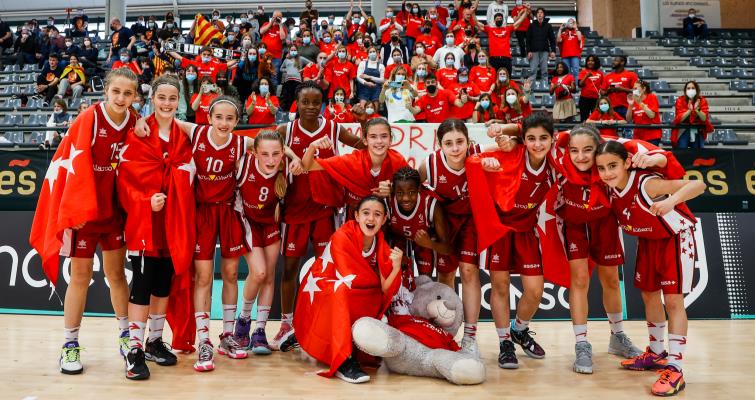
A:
x: 416, y: 64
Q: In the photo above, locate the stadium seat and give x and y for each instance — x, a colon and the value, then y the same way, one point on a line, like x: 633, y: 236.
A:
x: 540, y: 86
x: 714, y: 138
x: 667, y: 117
x: 702, y: 62
x: 15, y: 137
x: 645, y: 74
x: 653, y: 34
x: 707, y: 52
x: 723, y: 62
x: 37, y: 137
x: 685, y: 52
x: 666, y: 101
x: 729, y: 137
x: 661, y: 87
x: 548, y: 101
x: 37, y: 119
x: 741, y: 73
x: 616, y: 52
x: 666, y: 137
x: 744, y: 62
x: 74, y: 103
x: 719, y: 73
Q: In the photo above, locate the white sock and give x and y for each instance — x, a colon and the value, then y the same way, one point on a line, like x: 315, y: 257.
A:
x: 122, y: 323
x: 503, y: 333
x: 677, y: 346
x: 262, y: 313
x: 136, y: 334
x: 288, y: 319
x: 246, y: 310
x: 470, y: 332
x: 203, y: 326
x: 580, y: 333
x: 520, y: 324
x: 616, y: 321
x: 657, y: 333
x: 71, y: 334
x: 156, y: 323
x: 229, y: 317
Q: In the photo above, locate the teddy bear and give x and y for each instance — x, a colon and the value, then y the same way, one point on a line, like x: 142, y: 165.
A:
x: 421, y: 343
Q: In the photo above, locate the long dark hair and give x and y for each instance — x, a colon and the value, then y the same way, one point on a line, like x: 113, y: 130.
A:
x: 449, y: 125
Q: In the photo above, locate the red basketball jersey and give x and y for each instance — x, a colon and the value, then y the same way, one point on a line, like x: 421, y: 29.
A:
x: 575, y: 204
x: 632, y: 209
x: 421, y: 218
x: 299, y: 207
x: 257, y: 191
x: 216, y: 165
x: 450, y: 184
x: 533, y: 187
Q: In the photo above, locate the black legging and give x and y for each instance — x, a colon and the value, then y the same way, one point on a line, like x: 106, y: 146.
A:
x: 521, y: 37
x: 586, y: 107
x: 154, y: 280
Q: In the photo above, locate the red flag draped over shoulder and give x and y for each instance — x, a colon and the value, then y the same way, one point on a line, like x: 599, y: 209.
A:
x: 142, y: 172
x: 351, y: 172
x: 68, y: 196
x: 340, y: 288
x: 488, y: 189
x: 550, y: 232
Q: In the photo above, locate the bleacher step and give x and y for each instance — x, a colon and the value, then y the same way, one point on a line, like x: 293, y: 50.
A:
x: 678, y: 84
x: 658, y: 62
x: 686, y: 73
x: 734, y: 118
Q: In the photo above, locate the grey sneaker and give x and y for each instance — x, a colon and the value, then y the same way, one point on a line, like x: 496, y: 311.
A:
x: 469, y: 346
x: 583, y: 362
x: 621, y: 345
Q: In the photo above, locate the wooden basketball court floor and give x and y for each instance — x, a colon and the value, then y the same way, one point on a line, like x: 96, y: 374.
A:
x: 719, y: 363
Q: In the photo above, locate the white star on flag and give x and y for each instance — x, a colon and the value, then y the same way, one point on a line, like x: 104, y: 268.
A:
x: 52, y: 171
x: 121, y: 152
x: 326, y: 258
x: 543, y: 216
x: 311, y: 287
x: 191, y: 169
x: 346, y: 280
x: 68, y: 163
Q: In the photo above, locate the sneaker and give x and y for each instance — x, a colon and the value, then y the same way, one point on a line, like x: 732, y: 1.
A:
x: 229, y: 347
x: 282, y: 335
x: 645, y: 361
x: 669, y: 383
x: 290, y: 343
x: 621, y: 345
x: 241, y: 331
x: 205, y: 354
x: 123, y: 345
x: 259, y: 344
x: 583, y: 362
x: 70, y: 360
x: 529, y: 345
x: 351, y: 372
x: 507, y: 356
x: 159, y: 352
x: 136, y: 365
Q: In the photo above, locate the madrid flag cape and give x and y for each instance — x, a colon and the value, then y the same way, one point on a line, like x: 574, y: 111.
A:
x: 68, y: 196
x: 340, y: 288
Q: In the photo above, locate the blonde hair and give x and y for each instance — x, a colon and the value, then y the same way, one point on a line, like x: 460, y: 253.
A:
x: 165, y: 80
x: 122, y: 72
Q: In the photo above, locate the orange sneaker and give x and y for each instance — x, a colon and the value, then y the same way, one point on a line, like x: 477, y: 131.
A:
x: 669, y: 383
x: 645, y: 361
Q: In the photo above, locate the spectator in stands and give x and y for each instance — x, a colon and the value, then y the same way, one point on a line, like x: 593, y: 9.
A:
x: 6, y: 37
x: 139, y: 27
x: 80, y: 24
x: 371, y: 29
x: 644, y: 110
x: 26, y: 49
x: 521, y: 31
x: 541, y: 45
x: 72, y: 78
x: 200, y: 102
x: 691, y: 108
x: 141, y: 105
x: 125, y: 60
x: 120, y: 38
x: 464, y: 27
x: 484, y: 110
x: 605, y: 115
x: 466, y: 94
x: 88, y: 56
x: 516, y: 108
x: 562, y: 87
x: 291, y: 76
x: 309, y: 12
x: 48, y: 79
x: 396, y: 60
x: 82, y: 107
x: 145, y: 78
x: 266, y: 69
x: 421, y: 56
x: 370, y: 75
x: 414, y: 21
x: 232, y: 41
x: 262, y: 105
x: 189, y: 86
x: 499, y: 39
x: 260, y: 16
x: 216, y: 21
x: 207, y: 65
x: 482, y: 74
x: 694, y: 27
x: 398, y: 95
x: 502, y: 84
x: 471, y: 46
x: 618, y: 84
x: 388, y: 25
x: 341, y: 73
x: 463, y: 6
x: 436, y: 104
x: 58, y: 118
x: 590, y: 80
x: 338, y: 110
x: 431, y: 37
x: 448, y: 73
x: 315, y: 70
x: 225, y: 88
x: 496, y: 7
x: 394, y: 44
x: 357, y: 49
x: 570, y: 44
x: 308, y: 50
x: 274, y: 35
x: 69, y: 49
x: 355, y: 23
x: 170, y: 22
x: 449, y: 48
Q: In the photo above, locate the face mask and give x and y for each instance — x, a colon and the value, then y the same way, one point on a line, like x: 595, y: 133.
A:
x: 236, y: 29
x: 692, y: 15
x: 169, y: 26
x: 420, y: 51
x: 449, y: 41
x: 397, y: 59
x: 436, y: 3
x: 372, y: 56
x: 603, y: 108
x: 369, y: 110
x: 215, y: 17
x: 636, y: 92
x: 431, y: 88
x: 306, y: 40
x: 485, y: 104
x: 151, y: 24
x: 433, y: 16
x: 264, y: 89
x: 231, y: 37
x: 355, y: 21
x: 511, y: 99
x: 394, y: 39
x: 389, y: 14
x: 449, y: 63
x: 124, y: 59
x: 463, y: 79
x: 367, y: 44
x: 421, y: 73
x: 69, y: 44
x: 326, y: 39
x: 338, y: 39
x: 243, y: 20
x: 191, y: 77
x: 50, y: 22
x: 341, y: 55
x: 331, y: 21
x: 691, y: 93
x: 519, y: 2
x: 137, y: 106
x: 246, y: 42
x: 140, y: 22
x: 262, y: 50
x: 57, y: 112
x: 252, y: 57
x: 400, y: 78
x: 415, y: 10
x: 294, y: 53
x: 482, y: 61
x: 499, y: 23
x: 205, y: 59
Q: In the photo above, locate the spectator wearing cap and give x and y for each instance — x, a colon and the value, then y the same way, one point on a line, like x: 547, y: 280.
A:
x: 694, y: 27
x: 388, y: 25
x: 541, y: 44
x: 48, y: 79
x: 394, y: 44
x: 80, y: 24
x: 120, y: 38
x: 274, y: 36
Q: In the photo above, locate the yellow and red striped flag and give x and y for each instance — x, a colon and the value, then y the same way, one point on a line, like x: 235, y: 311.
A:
x: 204, y: 31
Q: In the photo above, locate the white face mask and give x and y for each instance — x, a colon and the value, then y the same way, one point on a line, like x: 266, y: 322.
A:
x: 636, y: 92
x: 339, y: 99
x: 511, y: 99
x: 420, y: 51
x: 369, y: 110
x: 691, y: 93
x: 692, y: 15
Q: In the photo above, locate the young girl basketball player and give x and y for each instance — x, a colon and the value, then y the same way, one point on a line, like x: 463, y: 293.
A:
x: 106, y: 123
x: 654, y: 210
x: 304, y: 220
x: 261, y: 186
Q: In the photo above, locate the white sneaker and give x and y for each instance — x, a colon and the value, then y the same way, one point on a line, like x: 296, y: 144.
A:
x: 70, y: 360
x: 469, y: 346
x: 229, y: 347
x: 205, y: 355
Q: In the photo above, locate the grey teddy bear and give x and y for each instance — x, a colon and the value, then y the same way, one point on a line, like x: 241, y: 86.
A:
x: 402, y: 354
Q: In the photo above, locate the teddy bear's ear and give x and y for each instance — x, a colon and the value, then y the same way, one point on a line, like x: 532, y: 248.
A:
x: 422, y: 279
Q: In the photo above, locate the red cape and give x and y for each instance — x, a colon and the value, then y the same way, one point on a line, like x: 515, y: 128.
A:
x: 680, y: 108
x: 340, y: 288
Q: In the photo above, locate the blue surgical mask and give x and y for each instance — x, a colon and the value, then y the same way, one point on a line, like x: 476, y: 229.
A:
x: 603, y: 107
x: 191, y: 77
x: 463, y: 79
x: 206, y: 59
x: 449, y: 41
x: 326, y: 39
x: 421, y: 73
x: 449, y: 63
x: 372, y: 56
x: 137, y: 106
x: 369, y: 110
x: 262, y: 50
x: 306, y: 40
x: 294, y: 53
x: 341, y: 55
x: 485, y: 104
x: 264, y: 89
x: 389, y: 14
x: 400, y: 78
x: 252, y: 57
x: 124, y: 59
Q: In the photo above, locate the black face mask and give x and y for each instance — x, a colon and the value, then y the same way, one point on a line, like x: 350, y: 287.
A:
x: 394, y: 39
x: 499, y: 23
x: 431, y: 88
x: 617, y: 66
x: 222, y: 83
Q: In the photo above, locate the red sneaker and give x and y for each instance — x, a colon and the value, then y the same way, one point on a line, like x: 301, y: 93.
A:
x: 645, y: 361
x: 669, y: 383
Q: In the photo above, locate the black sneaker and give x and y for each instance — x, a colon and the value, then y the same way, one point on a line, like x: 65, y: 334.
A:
x: 289, y: 343
x: 159, y: 352
x: 507, y: 356
x: 529, y: 345
x: 351, y: 372
x: 136, y: 366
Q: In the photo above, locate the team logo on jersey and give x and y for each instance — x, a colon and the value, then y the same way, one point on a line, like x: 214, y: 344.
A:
x: 297, y: 140
x: 572, y: 247
x: 524, y: 176
x: 291, y: 247
x: 114, y: 165
x: 586, y: 206
x: 442, y: 179
x: 259, y: 206
x: 102, y: 132
x: 496, y: 258
x: 200, y: 147
x: 212, y: 177
x: 82, y: 244
x: 393, y: 220
x: 421, y: 219
x: 196, y: 248
x: 530, y: 205
x: 233, y: 152
x: 637, y: 277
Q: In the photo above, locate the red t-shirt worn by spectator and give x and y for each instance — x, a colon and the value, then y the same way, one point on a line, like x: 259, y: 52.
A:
x: 340, y: 74
x: 625, y: 79
x: 327, y: 48
x: 201, y: 115
x: 446, y: 77
x: 352, y: 28
x: 483, y: 77
x: 261, y: 112
x: 611, y: 115
x: 511, y: 116
x: 437, y: 108
x: 464, y: 112
x: 442, y: 14
x: 391, y: 67
x: 339, y: 113
x: 459, y: 34
x: 571, y: 45
x: 640, y: 118
x: 211, y: 69
x: 311, y: 71
x: 498, y: 96
x: 132, y: 65
x: 499, y: 40
x: 591, y: 87
x: 413, y: 23
x: 431, y: 43
x: 560, y: 92
x: 273, y: 41
x: 385, y: 37
x: 515, y: 14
